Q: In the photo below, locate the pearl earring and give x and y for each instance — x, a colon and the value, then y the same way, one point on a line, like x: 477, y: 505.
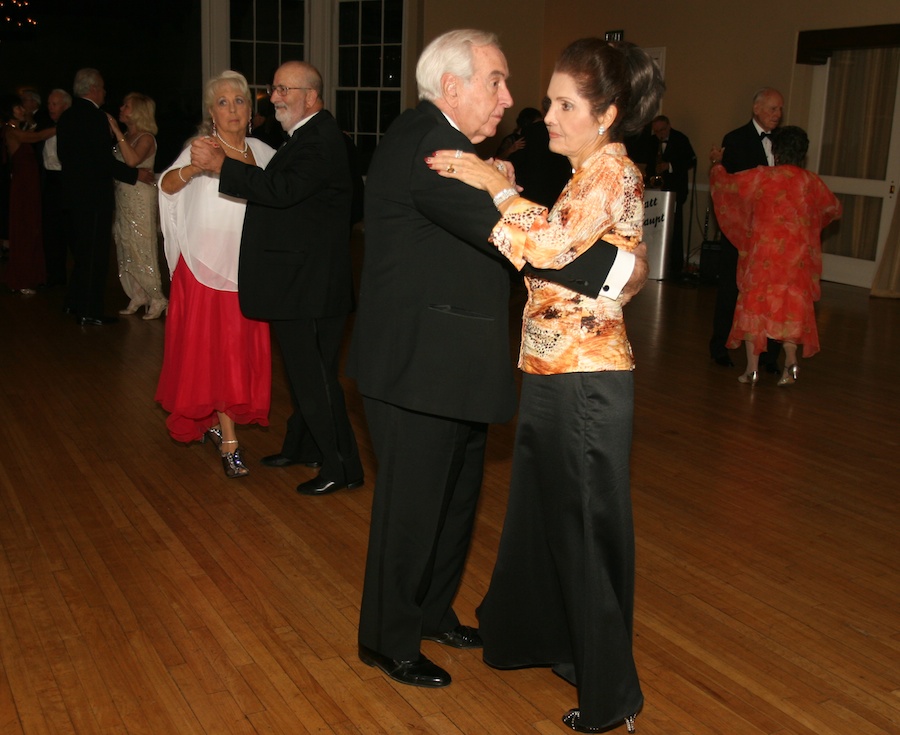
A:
x: 601, y: 130
x: 250, y: 127
x: 214, y: 128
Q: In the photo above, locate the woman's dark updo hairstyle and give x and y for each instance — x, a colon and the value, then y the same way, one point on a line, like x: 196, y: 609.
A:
x: 789, y: 145
x: 7, y: 104
x: 618, y: 73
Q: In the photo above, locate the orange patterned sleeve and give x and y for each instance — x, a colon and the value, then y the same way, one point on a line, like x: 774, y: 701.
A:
x: 603, y: 199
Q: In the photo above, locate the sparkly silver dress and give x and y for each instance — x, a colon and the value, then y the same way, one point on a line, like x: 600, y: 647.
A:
x: 135, y: 231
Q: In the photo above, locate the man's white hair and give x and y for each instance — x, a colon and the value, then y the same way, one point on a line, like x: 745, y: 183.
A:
x: 449, y: 53
x: 85, y: 80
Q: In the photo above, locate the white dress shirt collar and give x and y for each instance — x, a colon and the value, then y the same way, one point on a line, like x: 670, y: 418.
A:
x: 302, y: 123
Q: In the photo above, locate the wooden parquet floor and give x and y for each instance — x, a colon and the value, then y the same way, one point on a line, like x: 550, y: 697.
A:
x: 142, y: 592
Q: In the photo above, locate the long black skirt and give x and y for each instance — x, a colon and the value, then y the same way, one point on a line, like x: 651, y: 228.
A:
x: 562, y: 592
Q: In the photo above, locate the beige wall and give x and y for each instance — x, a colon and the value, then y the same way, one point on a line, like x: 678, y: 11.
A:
x: 718, y: 52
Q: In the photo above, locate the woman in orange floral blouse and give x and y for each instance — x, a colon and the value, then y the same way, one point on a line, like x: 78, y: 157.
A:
x: 562, y: 592
x: 774, y: 215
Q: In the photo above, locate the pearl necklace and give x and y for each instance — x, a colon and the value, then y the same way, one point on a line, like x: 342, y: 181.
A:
x: 228, y: 145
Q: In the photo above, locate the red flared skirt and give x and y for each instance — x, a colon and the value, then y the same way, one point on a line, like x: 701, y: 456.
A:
x: 215, y: 359
x: 26, y: 242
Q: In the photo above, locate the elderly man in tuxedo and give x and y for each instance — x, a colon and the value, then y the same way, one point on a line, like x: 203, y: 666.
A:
x: 85, y: 149
x: 674, y: 158
x: 431, y: 354
x: 294, y: 268
x: 746, y: 147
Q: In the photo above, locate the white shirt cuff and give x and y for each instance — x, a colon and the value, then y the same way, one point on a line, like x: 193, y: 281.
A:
x: 618, y: 275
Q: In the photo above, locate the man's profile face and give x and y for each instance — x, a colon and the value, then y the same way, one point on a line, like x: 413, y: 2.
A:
x: 56, y: 106
x: 485, y: 97
x: 768, y: 111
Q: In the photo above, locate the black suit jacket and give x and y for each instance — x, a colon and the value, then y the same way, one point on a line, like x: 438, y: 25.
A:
x: 84, y: 144
x: 295, y: 247
x: 743, y: 149
x: 432, y: 328
x: 679, y: 154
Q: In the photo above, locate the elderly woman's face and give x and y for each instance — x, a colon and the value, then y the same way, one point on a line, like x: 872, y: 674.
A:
x: 230, y: 110
x: 570, y: 121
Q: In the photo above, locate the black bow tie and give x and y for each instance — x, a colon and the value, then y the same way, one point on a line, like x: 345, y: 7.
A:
x: 763, y: 135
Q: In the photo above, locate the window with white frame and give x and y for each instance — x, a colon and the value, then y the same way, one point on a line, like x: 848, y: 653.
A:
x: 264, y: 34
x: 369, y: 63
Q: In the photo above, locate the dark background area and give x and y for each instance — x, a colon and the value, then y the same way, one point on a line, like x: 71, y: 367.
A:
x: 148, y: 46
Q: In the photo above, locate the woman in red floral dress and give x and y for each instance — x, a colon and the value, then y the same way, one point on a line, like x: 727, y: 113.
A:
x: 774, y: 215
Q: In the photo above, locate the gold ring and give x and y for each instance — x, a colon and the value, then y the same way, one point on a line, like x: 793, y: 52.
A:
x: 451, y: 170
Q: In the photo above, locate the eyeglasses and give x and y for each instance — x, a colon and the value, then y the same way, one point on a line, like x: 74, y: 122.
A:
x: 281, y: 89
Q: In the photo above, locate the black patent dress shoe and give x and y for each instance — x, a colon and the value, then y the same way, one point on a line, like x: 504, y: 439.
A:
x: 324, y: 486
x: 572, y: 718
x: 97, y: 321
x: 418, y: 673
x: 723, y: 360
x: 282, y: 460
x: 462, y: 636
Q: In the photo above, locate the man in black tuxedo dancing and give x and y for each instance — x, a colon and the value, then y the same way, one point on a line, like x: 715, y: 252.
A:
x: 746, y: 147
x: 84, y: 147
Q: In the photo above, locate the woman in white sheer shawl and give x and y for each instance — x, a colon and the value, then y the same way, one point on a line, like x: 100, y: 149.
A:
x: 216, y: 369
